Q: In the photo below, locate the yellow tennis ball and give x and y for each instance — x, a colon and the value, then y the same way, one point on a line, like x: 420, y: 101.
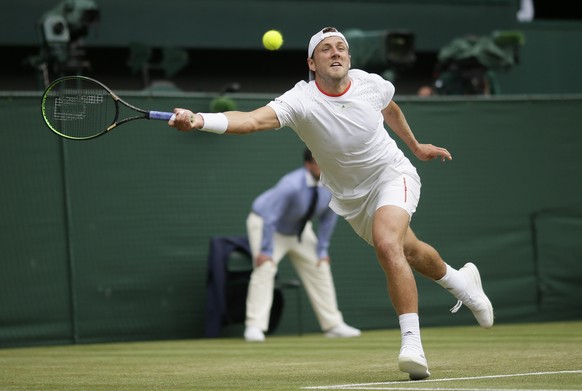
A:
x: 272, y: 40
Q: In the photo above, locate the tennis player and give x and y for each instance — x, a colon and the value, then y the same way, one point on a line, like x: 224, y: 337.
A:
x: 340, y: 114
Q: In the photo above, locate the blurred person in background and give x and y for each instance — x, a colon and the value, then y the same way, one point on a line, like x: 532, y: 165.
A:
x: 280, y: 224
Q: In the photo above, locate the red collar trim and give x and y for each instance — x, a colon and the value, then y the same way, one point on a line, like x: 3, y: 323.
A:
x: 334, y: 95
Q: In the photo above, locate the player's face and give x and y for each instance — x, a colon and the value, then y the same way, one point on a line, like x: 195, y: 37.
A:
x: 331, y: 58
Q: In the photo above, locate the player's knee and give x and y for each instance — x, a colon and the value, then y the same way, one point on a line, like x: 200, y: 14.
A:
x: 388, y: 248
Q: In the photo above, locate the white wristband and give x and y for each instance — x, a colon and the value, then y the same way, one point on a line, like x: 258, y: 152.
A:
x: 214, y: 122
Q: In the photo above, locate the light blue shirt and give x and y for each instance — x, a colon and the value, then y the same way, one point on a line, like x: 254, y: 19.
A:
x: 283, y: 206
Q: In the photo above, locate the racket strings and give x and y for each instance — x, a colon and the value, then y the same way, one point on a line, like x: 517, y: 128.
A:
x: 73, y: 108
x: 79, y: 109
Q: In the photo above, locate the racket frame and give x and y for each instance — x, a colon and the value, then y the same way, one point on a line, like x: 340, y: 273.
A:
x: 145, y: 114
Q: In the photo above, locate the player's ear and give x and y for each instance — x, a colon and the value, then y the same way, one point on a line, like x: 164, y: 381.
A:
x: 311, y: 64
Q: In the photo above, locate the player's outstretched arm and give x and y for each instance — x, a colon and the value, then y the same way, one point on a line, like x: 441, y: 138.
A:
x: 235, y: 122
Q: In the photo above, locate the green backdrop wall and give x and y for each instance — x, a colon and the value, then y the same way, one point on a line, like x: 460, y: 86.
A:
x: 108, y: 240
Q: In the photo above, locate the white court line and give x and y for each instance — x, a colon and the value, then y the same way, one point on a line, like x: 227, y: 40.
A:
x: 386, y: 385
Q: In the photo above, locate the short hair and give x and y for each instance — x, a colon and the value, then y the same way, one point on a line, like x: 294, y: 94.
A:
x: 329, y: 30
x: 307, y: 156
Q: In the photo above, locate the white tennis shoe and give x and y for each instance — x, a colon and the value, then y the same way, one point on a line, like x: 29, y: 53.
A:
x: 413, y: 362
x: 343, y: 330
x: 254, y: 334
x: 474, y: 297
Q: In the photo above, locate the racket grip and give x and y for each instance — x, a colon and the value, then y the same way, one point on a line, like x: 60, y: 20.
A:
x: 162, y: 115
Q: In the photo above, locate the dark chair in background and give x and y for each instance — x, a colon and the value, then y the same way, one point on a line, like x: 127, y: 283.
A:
x: 230, y: 266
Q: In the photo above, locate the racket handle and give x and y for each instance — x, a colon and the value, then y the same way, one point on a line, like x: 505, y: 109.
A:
x: 163, y: 115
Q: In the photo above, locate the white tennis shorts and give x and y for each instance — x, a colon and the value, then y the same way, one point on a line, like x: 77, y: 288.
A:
x: 402, y: 191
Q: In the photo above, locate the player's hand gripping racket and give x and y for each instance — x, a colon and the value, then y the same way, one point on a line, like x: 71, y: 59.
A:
x: 81, y: 108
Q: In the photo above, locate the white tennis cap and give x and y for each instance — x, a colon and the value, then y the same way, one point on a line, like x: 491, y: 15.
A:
x: 320, y: 36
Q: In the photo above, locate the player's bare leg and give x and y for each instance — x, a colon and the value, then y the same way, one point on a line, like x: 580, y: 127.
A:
x: 389, y: 231
x: 464, y: 284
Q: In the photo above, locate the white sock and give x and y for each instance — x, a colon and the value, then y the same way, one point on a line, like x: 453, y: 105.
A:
x: 410, y: 330
x: 453, y: 281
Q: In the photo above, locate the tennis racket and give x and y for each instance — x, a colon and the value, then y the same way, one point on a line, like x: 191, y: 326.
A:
x: 81, y: 108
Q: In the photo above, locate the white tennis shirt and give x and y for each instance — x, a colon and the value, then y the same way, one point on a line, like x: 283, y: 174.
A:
x: 345, y: 133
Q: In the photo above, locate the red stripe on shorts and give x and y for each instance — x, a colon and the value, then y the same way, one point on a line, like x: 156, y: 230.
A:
x: 405, y: 189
